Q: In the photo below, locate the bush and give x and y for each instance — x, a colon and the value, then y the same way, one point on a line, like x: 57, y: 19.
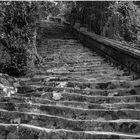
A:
x: 122, y: 22
x: 18, y: 24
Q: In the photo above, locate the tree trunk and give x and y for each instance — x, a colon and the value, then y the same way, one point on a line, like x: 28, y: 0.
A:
x: 34, y: 57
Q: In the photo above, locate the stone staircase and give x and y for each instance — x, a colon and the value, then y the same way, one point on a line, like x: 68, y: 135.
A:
x: 74, y: 94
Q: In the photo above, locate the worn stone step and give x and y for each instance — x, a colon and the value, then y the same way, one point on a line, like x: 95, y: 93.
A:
x: 79, y: 67
x: 86, y: 91
x: 77, y: 62
x: 60, y: 64
x: 94, y: 85
x: 99, y: 92
x: 56, y: 80
x: 88, y: 71
x: 112, y: 84
x: 91, y: 68
x: 79, y: 58
x: 64, y: 96
x: 82, y: 59
x: 43, y: 78
x: 68, y: 48
x: 126, y: 126
x: 90, y: 78
x: 73, y: 113
x: 75, y: 104
x: 25, y: 131
x: 57, y: 65
x: 97, y: 75
x: 107, y: 77
x: 93, y: 99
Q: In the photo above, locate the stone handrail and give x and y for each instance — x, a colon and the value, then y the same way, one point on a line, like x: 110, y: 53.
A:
x: 123, y: 54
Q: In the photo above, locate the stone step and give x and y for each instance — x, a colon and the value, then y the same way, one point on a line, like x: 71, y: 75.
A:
x: 82, y: 68
x: 93, y: 74
x: 64, y: 96
x: 73, y: 93
x: 107, y: 113
x: 127, y: 126
x: 25, y: 131
x: 96, y: 67
x: 86, y: 85
x: 88, y: 71
x: 84, y: 52
x: 60, y: 64
x: 85, y: 78
x: 125, y: 91
x: 46, y: 80
x: 43, y: 78
x: 97, y: 86
x: 74, y: 61
x: 82, y: 58
x: 75, y: 104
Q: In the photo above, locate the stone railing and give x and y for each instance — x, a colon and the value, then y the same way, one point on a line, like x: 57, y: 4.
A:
x: 123, y: 54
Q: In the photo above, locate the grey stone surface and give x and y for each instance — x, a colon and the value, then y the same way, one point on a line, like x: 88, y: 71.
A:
x: 74, y: 94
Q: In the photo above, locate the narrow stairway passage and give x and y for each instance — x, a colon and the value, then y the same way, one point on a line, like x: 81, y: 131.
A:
x: 75, y: 93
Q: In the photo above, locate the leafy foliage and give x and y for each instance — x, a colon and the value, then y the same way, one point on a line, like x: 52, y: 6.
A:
x: 92, y: 14
x: 19, y: 24
x: 117, y: 20
x: 122, y: 21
